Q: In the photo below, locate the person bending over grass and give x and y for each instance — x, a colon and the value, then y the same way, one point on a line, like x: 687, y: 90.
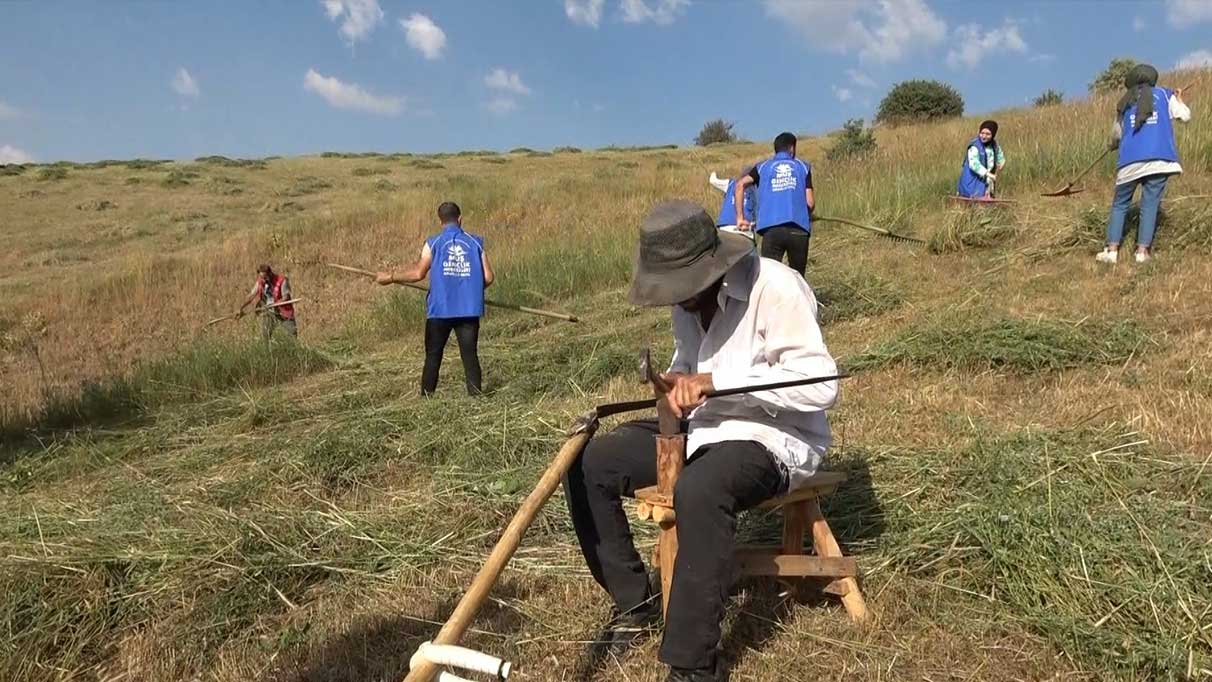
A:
x: 1148, y: 156
x: 727, y: 218
x: 268, y: 289
x: 456, y: 295
x: 982, y: 162
x: 785, y: 204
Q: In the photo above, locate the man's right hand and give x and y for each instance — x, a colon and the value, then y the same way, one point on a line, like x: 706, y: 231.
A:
x: 744, y: 225
x: 991, y: 177
x: 384, y: 278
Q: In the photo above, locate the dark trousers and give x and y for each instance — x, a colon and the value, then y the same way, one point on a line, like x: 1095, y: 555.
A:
x: 719, y: 481
x: 437, y: 332
x: 789, y: 239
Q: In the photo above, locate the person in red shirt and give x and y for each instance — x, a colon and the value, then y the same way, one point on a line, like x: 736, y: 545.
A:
x: 271, y: 288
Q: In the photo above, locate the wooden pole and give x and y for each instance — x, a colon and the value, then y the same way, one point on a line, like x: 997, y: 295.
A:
x: 257, y: 312
x: 464, y: 614
x: 495, y: 304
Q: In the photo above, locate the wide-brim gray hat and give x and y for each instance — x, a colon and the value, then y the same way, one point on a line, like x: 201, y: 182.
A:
x: 680, y: 254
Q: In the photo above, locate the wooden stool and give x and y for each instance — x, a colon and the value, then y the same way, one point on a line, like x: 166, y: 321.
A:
x: 800, y: 510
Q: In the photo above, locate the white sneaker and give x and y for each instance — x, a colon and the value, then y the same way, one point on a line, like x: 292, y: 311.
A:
x: 1107, y: 256
x: 1142, y: 257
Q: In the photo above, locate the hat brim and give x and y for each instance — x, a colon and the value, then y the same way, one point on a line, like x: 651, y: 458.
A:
x: 649, y: 288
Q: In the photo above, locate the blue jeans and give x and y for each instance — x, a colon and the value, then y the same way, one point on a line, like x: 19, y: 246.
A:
x: 1152, y: 187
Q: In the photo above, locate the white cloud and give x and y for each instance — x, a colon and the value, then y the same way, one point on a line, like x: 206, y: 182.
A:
x: 9, y: 113
x: 665, y: 11
x: 509, y: 81
x: 350, y: 95
x: 584, y: 12
x: 860, y: 79
x: 358, y: 17
x: 184, y: 84
x: 501, y: 105
x: 1199, y: 59
x: 885, y: 31
x: 1183, y: 13
x: 10, y: 154
x: 842, y: 94
x: 1042, y: 58
x: 977, y: 43
x: 1138, y: 24
x: 423, y: 35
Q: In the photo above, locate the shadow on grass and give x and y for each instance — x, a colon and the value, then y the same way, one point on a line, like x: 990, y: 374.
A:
x: 377, y: 649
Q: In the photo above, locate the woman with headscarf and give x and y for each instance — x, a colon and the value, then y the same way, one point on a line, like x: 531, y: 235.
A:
x: 1148, y: 156
x: 982, y: 163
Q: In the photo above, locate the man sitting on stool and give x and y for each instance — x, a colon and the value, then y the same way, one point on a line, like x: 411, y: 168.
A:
x: 738, y: 320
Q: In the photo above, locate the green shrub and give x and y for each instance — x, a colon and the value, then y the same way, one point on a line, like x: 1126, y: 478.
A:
x: 566, y: 150
x: 1112, y: 77
x: 717, y: 131
x: 52, y: 174
x: 426, y: 164
x: 362, y: 171
x: 920, y: 100
x: 178, y: 178
x: 855, y: 140
x: 1049, y: 98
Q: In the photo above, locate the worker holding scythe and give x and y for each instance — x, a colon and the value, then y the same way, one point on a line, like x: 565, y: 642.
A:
x: 271, y: 293
x: 458, y: 271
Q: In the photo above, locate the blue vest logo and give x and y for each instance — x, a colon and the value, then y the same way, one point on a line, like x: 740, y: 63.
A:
x: 456, y: 278
x: 782, y: 193
x: 1155, y: 139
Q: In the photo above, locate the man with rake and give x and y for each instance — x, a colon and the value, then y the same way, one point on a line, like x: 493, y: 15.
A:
x: 738, y: 320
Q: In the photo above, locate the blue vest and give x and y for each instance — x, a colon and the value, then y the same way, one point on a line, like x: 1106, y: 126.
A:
x: 456, y: 277
x: 970, y: 184
x: 728, y: 208
x: 782, y: 184
x: 1155, y: 139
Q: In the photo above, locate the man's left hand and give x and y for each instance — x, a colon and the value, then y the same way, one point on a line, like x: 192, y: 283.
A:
x: 686, y: 391
x: 384, y: 278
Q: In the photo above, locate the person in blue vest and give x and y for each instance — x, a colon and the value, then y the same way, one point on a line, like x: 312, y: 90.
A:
x: 785, y: 203
x: 1148, y: 156
x: 982, y: 162
x: 458, y: 271
x: 727, y: 217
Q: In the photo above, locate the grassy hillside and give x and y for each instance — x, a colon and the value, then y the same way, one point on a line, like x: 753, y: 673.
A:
x: 1027, y: 434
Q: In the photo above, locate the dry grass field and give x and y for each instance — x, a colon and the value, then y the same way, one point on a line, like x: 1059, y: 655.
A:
x: 1028, y: 434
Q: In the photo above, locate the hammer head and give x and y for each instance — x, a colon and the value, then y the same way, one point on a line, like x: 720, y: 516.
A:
x: 649, y: 374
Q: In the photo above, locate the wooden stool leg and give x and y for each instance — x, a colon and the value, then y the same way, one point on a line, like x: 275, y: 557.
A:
x: 826, y: 546
x: 795, y: 523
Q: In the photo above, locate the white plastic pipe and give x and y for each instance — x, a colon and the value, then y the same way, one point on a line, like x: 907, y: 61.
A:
x: 460, y: 657
x: 451, y: 677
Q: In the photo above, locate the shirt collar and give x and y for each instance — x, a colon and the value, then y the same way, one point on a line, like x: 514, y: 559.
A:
x: 782, y: 156
x: 738, y: 281
x: 452, y: 226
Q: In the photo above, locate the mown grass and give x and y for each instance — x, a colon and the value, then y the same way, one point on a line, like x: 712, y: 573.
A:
x: 1026, y: 346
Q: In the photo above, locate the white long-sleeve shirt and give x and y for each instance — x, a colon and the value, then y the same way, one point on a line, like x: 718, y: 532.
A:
x: 1140, y: 169
x: 717, y: 182
x: 765, y: 331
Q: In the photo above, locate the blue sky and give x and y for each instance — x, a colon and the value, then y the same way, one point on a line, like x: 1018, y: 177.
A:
x: 90, y: 80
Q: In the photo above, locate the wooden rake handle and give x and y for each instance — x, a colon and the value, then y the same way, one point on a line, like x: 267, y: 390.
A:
x: 495, y: 304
